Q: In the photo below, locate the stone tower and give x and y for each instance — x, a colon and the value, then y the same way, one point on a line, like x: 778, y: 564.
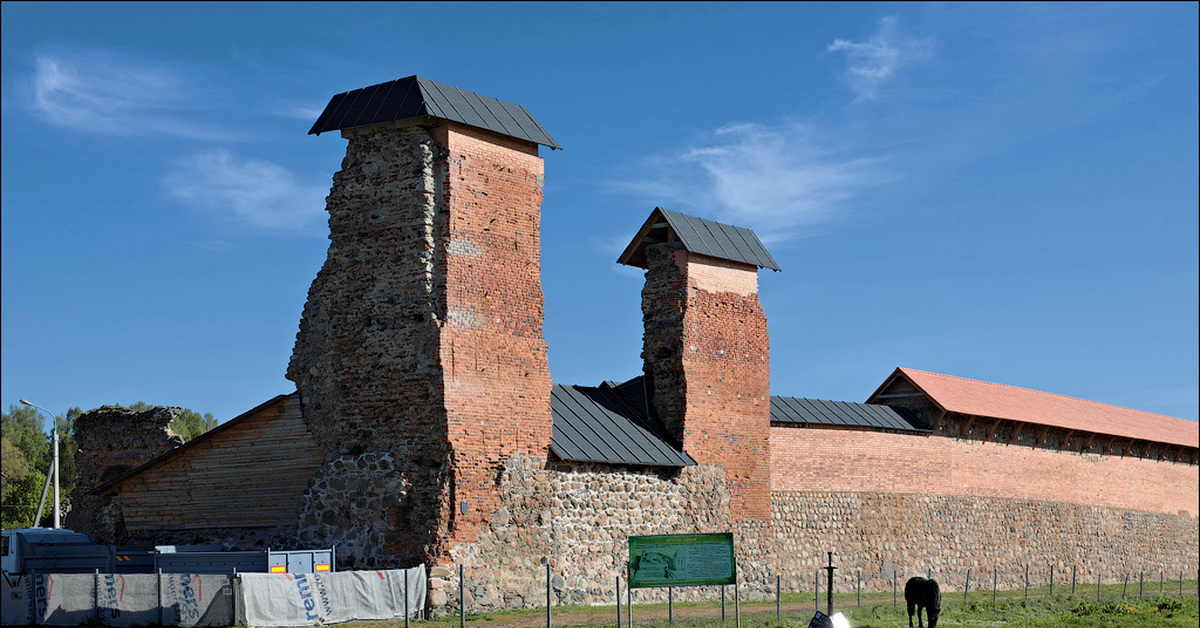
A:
x: 706, y: 353
x: 421, y: 344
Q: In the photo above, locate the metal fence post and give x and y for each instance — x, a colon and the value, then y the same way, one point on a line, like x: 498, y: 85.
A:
x: 993, y: 584
x: 1027, y: 581
x: 858, y: 586
x: 778, y: 600
x: 893, y: 588
x: 548, y: 594
x: 722, y: 606
x: 817, y: 590
x: 1097, y: 585
x: 618, y: 601
x: 1141, y: 584
x: 1072, y: 580
x: 1051, y: 581
x: 160, y: 598
x: 1125, y: 586
x: 968, y: 585
x: 671, y: 606
x: 629, y: 604
x: 462, y: 597
x: 737, y: 595
x: 1160, y: 582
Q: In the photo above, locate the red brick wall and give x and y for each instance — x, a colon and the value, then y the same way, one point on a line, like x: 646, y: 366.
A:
x: 492, y: 350
x: 844, y: 460
x: 708, y: 356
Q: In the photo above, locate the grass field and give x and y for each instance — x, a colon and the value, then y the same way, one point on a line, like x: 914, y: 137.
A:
x: 1011, y: 608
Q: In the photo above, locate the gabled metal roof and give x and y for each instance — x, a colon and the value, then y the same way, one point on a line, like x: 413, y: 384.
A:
x: 595, y: 425
x: 697, y: 235
x: 413, y: 97
x: 802, y: 411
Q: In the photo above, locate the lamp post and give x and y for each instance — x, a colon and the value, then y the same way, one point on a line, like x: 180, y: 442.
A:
x: 54, y: 434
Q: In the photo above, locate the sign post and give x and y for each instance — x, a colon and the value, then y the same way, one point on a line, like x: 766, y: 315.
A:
x: 681, y: 560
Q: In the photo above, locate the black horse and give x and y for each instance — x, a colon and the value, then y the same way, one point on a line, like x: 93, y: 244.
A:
x: 922, y: 593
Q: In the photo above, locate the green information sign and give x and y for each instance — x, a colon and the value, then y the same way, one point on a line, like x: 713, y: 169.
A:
x: 681, y: 560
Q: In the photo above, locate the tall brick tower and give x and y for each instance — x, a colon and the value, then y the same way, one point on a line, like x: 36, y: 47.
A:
x: 422, y: 339
x: 706, y: 354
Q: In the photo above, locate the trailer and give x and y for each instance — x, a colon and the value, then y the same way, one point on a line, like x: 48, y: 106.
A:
x: 50, y: 550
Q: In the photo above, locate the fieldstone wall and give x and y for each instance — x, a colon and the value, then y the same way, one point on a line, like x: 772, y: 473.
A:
x: 114, y: 440
x: 355, y: 503
x: 916, y: 534
x: 580, y: 517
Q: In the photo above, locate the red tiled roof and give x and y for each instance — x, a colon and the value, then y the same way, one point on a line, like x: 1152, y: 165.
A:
x: 968, y: 396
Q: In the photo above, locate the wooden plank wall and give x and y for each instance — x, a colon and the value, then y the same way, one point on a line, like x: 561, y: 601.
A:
x: 250, y: 475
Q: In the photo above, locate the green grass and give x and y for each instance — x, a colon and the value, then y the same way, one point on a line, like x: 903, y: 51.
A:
x: 1011, y: 609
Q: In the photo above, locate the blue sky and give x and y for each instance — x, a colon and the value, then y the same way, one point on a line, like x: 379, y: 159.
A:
x: 1006, y: 192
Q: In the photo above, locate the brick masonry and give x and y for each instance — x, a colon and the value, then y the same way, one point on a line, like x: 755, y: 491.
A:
x: 706, y: 353
x: 814, y: 459
x: 422, y: 372
x: 423, y: 327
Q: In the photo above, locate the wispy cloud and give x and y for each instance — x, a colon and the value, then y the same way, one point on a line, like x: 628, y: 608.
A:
x: 102, y: 93
x: 872, y: 63
x: 251, y: 192
x: 781, y: 181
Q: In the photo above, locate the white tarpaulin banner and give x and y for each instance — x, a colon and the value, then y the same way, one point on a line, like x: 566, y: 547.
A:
x: 327, y: 598
x: 127, y: 599
x: 118, y: 600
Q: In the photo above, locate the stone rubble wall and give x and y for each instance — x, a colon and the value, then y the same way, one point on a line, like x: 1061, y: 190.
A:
x: 580, y: 516
x: 113, y: 440
x: 354, y: 503
x: 948, y: 535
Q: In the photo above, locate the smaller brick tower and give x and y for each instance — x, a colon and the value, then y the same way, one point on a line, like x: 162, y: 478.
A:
x: 421, y: 343
x: 706, y: 353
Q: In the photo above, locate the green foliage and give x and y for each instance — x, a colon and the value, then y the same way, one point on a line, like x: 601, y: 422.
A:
x: 20, y: 506
x: 14, y: 466
x: 191, y: 424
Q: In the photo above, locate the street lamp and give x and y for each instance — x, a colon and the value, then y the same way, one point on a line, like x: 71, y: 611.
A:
x: 54, y: 433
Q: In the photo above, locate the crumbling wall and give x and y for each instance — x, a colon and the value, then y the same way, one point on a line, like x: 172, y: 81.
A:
x: 114, y: 440
x: 421, y: 340
x: 366, y: 357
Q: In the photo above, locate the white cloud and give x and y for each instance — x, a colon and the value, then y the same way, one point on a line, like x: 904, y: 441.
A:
x: 103, y: 94
x: 252, y: 192
x: 780, y: 181
x: 874, y: 62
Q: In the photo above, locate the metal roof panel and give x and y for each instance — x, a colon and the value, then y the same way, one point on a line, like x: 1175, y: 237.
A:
x: 700, y: 236
x: 803, y: 411
x: 415, y: 96
x: 592, y: 425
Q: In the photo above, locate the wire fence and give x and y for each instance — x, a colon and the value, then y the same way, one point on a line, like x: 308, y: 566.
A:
x: 1044, y: 581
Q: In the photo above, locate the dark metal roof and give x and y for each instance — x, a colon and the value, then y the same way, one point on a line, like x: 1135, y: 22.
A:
x: 700, y: 236
x: 596, y: 425
x: 414, y: 96
x: 817, y: 412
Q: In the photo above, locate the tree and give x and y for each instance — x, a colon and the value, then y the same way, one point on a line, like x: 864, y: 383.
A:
x: 191, y: 424
x: 20, y: 506
x: 13, y: 467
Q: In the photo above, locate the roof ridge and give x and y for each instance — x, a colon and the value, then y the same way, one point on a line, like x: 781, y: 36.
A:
x: 1040, y: 392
